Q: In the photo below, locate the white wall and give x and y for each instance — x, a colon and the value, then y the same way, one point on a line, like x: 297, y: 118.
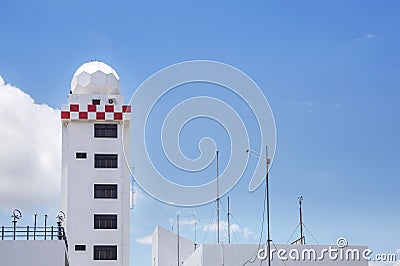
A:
x: 165, y: 247
x: 78, y: 179
x: 32, y: 252
x: 238, y: 254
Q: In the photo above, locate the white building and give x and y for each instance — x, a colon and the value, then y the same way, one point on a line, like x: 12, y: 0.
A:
x: 165, y: 253
x: 95, y: 175
x: 33, y: 252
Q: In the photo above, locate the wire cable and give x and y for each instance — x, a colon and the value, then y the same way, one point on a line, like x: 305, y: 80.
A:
x: 254, y: 257
x: 287, y: 242
x: 209, y: 223
x: 311, y: 234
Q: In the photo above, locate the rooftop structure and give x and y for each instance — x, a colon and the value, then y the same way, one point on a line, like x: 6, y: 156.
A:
x: 95, y: 176
x: 165, y: 253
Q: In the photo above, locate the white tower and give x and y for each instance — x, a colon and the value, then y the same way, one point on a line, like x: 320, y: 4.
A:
x: 95, y: 175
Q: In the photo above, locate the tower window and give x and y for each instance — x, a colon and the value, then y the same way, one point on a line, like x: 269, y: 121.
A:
x: 105, y: 130
x: 105, y: 221
x: 105, y: 191
x: 106, y: 161
x: 96, y: 102
x: 80, y: 247
x: 105, y: 253
x: 81, y: 155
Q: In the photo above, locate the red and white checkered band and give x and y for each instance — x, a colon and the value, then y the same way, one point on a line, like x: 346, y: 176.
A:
x: 96, y: 112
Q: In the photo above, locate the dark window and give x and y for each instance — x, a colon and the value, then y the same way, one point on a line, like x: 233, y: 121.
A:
x: 81, y: 155
x: 105, y: 221
x: 105, y: 253
x: 96, y: 102
x: 105, y: 130
x: 105, y: 191
x: 106, y: 161
x: 80, y: 247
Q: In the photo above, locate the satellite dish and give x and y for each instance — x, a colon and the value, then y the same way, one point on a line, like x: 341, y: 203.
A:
x: 61, y: 216
x: 16, y: 215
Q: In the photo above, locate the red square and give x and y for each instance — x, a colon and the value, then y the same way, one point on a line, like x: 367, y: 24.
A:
x: 109, y: 108
x: 83, y: 115
x: 91, y: 108
x: 126, y: 108
x: 100, y: 115
x: 65, y: 115
x: 74, y: 107
x: 117, y: 116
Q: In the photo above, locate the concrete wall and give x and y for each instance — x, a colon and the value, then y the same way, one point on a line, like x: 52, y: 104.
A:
x: 239, y: 254
x: 78, y: 179
x: 165, y: 248
x: 32, y: 252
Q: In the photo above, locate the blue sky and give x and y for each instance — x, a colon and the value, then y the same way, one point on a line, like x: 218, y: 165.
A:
x: 329, y: 69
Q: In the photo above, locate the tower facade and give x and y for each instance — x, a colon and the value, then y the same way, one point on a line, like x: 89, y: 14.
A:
x: 95, y: 173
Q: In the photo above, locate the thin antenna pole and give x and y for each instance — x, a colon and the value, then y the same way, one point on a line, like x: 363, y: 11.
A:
x: 34, y: 227
x: 14, y: 224
x: 195, y: 234
x: 267, y: 191
x: 217, y: 152
x: 229, y: 224
x: 45, y: 226
x: 177, y: 226
x: 301, y: 220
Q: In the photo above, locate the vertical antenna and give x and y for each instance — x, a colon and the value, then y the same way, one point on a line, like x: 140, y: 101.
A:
x: 45, y: 226
x: 195, y: 234
x: 267, y: 162
x: 34, y: 227
x: 302, y: 240
x: 177, y: 226
x: 267, y: 191
x: 16, y: 215
x: 217, y: 200
x: 229, y: 224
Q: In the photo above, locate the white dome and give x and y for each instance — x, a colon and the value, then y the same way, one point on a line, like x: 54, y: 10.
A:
x: 95, y: 78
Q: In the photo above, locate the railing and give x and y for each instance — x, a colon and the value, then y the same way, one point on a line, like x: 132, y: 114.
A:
x: 33, y: 233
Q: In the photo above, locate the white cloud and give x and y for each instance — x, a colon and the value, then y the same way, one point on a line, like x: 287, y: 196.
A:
x: 188, y: 222
x: 367, y: 37
x: 302, y: 105
x: 30, y: 141
x: 145, y: 240
x: 247, y: 233
x: 235, y: 228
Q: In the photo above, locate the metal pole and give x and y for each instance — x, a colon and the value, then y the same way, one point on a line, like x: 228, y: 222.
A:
x: 217, y: 200
x: 34, y: 227
x: 14, y: 226
x: 301, y: 221
x: 267, y: 188
x: 229, y: 224
x: 45, y: 226
x: 177, y: 226
x: 195, y: 235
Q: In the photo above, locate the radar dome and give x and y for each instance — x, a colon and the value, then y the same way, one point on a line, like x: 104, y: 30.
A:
x: 95, y: 78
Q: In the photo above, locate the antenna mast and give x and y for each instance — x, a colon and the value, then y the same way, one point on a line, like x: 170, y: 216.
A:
x: 177, y: 226
x: 217, y: 152
x: 302, y: 240
x: 267, y: 161
x: 229, y: 224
